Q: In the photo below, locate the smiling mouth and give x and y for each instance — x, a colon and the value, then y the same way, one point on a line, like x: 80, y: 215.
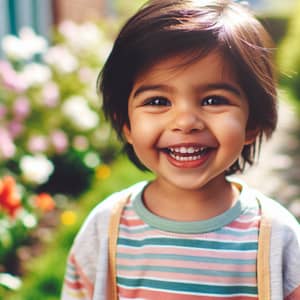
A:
x: 190, y: 153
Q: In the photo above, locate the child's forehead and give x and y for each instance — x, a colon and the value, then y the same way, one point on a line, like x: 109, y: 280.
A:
x: 213, y: 64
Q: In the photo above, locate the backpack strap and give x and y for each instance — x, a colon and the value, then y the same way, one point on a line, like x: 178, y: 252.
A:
x: 263, y: 257
x: 113, y: 233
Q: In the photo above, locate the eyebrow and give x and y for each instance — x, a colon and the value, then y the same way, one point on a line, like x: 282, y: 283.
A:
x: 225, y: 86
x: 146, y: 88
x: 212, y: 86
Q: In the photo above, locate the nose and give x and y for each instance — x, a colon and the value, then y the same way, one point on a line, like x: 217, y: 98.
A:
x: 187, y: 121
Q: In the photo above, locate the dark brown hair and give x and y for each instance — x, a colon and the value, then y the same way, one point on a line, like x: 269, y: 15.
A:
x: 163, y: 28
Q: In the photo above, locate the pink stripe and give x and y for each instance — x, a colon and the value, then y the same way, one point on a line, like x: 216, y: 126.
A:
x: 76, y: 285
x: 295, y: 295
x: 131, y: 222
x: 251, y: 237
x: 241, y: 225
x: 129, y: 212
x: 192, y: 252
x: 86, y: 283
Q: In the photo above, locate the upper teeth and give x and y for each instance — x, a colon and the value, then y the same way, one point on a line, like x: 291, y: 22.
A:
x: 184, y: 150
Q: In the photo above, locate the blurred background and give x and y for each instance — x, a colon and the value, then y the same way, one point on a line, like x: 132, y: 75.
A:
x: 58, y: 155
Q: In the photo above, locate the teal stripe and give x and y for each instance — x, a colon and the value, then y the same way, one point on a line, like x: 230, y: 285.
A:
x: 187, y: 287
x: 128, y: 207
x: 206, y: 272
x: 71, y: 272
x: 12, y: 17
x: 238, y: 233
x: 177, y: 257
x: 186, y: 243
x: 72, y: 276
x: 71, y: 267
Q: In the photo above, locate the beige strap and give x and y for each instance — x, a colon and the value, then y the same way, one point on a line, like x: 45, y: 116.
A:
x: 263, y: 258
x: 113, y: 232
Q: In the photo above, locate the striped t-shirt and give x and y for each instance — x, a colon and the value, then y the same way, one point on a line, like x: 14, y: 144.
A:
x: 163, y: 259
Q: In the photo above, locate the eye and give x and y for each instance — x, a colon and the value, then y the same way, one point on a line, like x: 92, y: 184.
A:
x: 214, y: 100
x: 158, y: 101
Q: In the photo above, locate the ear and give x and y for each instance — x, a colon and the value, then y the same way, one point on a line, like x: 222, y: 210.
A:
x: 127, y: 133
x: 251, y: 135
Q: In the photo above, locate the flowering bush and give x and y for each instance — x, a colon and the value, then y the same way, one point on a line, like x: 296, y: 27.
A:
x: 53, y: 137
x: 19, y: 214
x: 49, y: 110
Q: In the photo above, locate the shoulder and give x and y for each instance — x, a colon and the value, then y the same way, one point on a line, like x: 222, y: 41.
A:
x: 271, y: 208
x: 107, y: 204
x: 98, y: 218
x: 284, y: 243
x: 88, y: 257
x: 91, y: 242
x: 285, y: 246
x: 279, y: 215
x: 285, y: 237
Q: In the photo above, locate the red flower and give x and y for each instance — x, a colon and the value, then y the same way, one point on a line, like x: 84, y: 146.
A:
x: 45, y: 202
x: 10, y: 200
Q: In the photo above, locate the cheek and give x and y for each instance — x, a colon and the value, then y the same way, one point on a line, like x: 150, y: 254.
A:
x: 144, y: 127
x: 233, y: 131
x: 231, y: 137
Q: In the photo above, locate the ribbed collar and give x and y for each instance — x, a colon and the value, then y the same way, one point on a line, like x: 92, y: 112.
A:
x: 215, y: 223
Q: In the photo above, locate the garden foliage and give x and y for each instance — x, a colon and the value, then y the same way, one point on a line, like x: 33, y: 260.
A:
x: 53, y: 136
x: 289, y: 54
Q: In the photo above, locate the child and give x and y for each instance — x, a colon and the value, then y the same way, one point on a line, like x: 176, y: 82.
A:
x: 189, y: 88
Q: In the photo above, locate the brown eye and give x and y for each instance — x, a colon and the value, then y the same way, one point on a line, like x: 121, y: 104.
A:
x: 158, y: 101
x: 214, y: 100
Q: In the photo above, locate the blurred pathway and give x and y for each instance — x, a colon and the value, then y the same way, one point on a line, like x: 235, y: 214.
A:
x: 278, y: 171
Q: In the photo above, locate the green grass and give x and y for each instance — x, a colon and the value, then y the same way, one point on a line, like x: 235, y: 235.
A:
x: 45, y: 273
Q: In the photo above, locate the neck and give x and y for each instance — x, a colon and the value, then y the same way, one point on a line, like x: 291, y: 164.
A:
x: 190, y: 205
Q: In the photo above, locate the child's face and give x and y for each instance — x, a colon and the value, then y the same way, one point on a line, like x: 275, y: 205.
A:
x: 188, y: 124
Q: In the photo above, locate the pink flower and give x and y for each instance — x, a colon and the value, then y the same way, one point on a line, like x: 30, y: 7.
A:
x: 15, y: 128
x: 80, y: 143
x: 51, y: 94
x: 10, y: 78
x: 7, y: 147
x: 5, y: 68
x: 21, y: 108
x: 86, y: 75
x: 37, y: 144
x: 59, y: 141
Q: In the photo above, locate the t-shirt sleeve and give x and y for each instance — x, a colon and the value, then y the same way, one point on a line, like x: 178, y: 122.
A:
x: 77, y: 285
x: 285, y: 251
x: 87, y: 261
x: 291, y: 261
